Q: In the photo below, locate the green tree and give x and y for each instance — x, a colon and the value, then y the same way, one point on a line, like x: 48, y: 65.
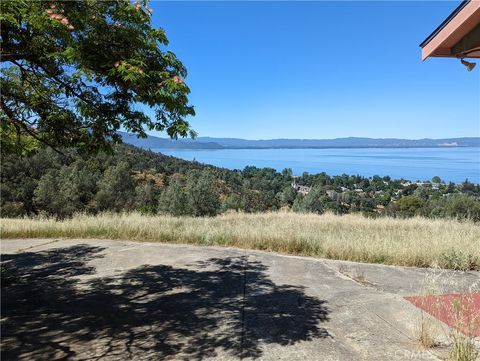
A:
x: 20, y: 175
x: 12, y: 141
x: 147, y: 198
x: 450, y: 188
x: 410, y: 205
x: 203, y: 198
x: 421, y: 193
x: 74, y: 72
x: 76, y: 188
x: 287, y: 174
x: 299, y: 204
x: 287, y: 195
x: 65, y: 191
x: 463, y: 207
x: 116, y: 188
x: 467, y: 187
x: 46, y: 194
x: 174, y: 200
x: 314, y: 201
x: 436, y: 179
x: 252, y: 200
x: 232, y: 201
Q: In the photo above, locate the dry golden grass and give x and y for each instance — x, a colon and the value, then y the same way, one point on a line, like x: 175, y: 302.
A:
x: 425, y: 333
x: 411, y: 242
x: 460, y: 339
x: 463, y: 348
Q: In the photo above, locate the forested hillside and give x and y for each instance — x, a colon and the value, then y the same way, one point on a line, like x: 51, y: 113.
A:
x: 133, y: 179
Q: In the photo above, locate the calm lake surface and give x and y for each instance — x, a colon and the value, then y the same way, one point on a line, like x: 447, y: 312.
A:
x: 450, y: 164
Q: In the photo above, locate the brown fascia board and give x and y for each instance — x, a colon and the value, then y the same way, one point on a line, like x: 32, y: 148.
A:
x: 444, y: 22
x: 465, y: 18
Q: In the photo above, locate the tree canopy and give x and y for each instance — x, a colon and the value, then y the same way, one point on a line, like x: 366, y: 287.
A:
x: 74, y: 72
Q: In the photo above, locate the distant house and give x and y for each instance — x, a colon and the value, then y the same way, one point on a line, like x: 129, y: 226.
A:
x: 360, y: 192
x: 331, y: 193
x: 301, y: 189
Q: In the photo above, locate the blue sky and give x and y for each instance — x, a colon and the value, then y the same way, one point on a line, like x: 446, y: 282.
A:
x: 262, y: 70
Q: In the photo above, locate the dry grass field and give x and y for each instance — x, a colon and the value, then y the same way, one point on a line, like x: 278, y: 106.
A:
x: 407, y: 242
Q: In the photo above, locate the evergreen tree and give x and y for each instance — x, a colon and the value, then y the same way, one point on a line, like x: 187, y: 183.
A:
x: 147, y: 198
x: 203, y: 198
x: 314, y: 201
x: 287, y: 195
x: 174, y: 200
x: 46, y: 194
x: 116, y: 188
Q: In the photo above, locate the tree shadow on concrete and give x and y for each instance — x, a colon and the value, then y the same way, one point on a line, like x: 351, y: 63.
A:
x: 59, y: 309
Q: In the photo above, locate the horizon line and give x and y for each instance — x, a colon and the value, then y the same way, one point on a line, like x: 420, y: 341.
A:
x: 336, y: 138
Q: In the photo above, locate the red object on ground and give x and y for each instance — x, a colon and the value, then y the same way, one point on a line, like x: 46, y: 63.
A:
x: 461, y: 311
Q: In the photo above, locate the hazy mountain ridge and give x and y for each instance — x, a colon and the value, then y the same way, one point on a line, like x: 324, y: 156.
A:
x: 350, y: 142
x: 152, y: 142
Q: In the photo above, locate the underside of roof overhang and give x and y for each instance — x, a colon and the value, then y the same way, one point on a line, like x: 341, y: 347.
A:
x: 458, y: 36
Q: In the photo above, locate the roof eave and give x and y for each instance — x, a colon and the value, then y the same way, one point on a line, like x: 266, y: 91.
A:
x: 462, y: 21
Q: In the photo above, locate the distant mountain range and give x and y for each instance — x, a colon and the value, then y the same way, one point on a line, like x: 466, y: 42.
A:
x: 152, y: 142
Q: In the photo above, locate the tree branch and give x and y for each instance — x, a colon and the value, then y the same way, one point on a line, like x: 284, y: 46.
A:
x: 18, y: 123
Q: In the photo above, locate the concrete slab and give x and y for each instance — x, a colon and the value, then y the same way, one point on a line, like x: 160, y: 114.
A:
x: 122, y: 300
x: 408, y: 280
x: 11, y: 246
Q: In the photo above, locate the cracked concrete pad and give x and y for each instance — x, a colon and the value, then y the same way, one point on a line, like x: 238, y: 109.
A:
x: 122, y: 300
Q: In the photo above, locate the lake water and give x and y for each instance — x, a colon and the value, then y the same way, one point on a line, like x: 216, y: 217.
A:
x: 450, y: 164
